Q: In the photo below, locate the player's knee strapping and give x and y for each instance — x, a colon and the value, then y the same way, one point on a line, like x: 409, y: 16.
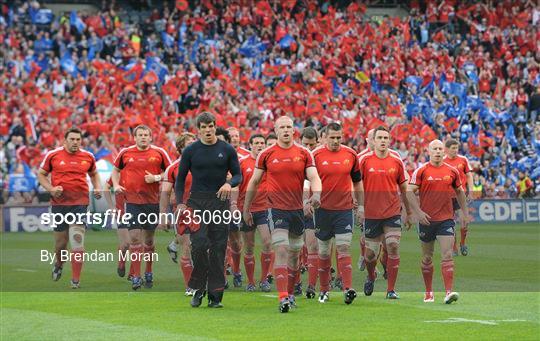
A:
x: 280, y: 238
x: 343, y: 239
x: 324, y: 248
x: 393, y: 238
x: 296, y: 244
x: 374, y: 246
x: 76, y: 237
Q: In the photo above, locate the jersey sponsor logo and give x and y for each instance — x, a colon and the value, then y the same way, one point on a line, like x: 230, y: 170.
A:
x: 249, y: 170
x: 325, y: 163
x: 73, y: 163
x: 336, y: 163
x: 348, y: 227
x: 275, y: 161
x: 450, y: 230
x: 430, y: 178
x: 371, y: 170
x: 220, y: 155
x: 62, y: 163
x: 131, y: 159
x: 286, y: 160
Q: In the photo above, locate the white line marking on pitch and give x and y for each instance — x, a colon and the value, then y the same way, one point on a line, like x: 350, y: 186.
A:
x: 485, y: 322
x: 25, y: 270
x: 271, y: 296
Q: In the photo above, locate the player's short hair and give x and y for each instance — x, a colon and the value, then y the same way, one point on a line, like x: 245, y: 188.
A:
x: 206, y: 118
x: 323, y: 131
x: 72, y: 130
x: 181, y: 140
x: 142, y: 127
x: 220, y: 131
x: 254, y: 136
x: 232, y: 129
x: 309, y: 133
x: 271, y: 136
x: 380, y: 128
x: 451, y: 142
x: 335, y: 126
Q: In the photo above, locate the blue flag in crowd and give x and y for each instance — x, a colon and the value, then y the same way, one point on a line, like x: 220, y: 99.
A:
x: 43, y: 17
x: 68, y: 64
x: 153, y: 64
x: 77, y: 22
x: 25, y: 182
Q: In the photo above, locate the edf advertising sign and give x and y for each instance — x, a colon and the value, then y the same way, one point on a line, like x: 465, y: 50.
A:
x: 505, y: 211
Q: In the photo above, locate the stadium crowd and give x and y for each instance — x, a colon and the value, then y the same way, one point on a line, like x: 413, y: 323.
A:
x: 458, y: 69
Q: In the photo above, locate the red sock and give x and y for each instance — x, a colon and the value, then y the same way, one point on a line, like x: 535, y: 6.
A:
x: 272, y: 259
x: 148, y: 250
x: 187, y: 268
x: 249, y: 264
x: 324, y: 273
x: 392, y: 270
x: 122, y: 258
x: 463, y: 231
x: 135, y: 268
x: 363, y: 245
x: 236, y: 261
x: 76, y: 264
x: 266, y: 261
x: 59, y: 261
x: 281, y: 275
x: 384, y: 257
x: 427, y: 273
x: 313, y: 268
x: 345, y: 268
x: 292, y: 280
x: 304, y: 256
x: 370, y: 266
x: 447, y: 269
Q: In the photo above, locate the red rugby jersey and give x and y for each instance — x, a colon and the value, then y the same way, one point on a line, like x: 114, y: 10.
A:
x: 69, y: 171
x: 247, y: 166
x: 381, y: 178
x: 171, y: 173
x: 285, y: 174
x: 437, y: 186
x: 338, y: 170
x: 463, y: 166
x: 242, y: 152
x: 134, y: 163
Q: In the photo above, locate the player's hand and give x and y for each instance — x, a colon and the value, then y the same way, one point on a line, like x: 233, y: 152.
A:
x: 180, y: 210
x: 56, y: 192
x: 234, y: 207
x: 119, y: 190
x: 149, y: 178
x: 224, y: 192
x: 315, y: 200
x: 423, y: 217
x: 359, y: 214
x: 248, y: 218
x: 308, y: 210
x: 97, y: 194
x: 408, y: 221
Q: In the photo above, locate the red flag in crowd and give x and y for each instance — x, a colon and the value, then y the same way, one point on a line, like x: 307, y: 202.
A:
x: 427, y: 134
x: 402, y: 132
x: 451, y: 125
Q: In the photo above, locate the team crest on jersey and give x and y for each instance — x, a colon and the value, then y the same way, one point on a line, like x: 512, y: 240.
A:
x: 152, y: 159
x: 392, y: 170
x: 346, y: 162
x: 296, y: 158
x: 447, y: 178
x: 460, y: 166
x: 84, y: 162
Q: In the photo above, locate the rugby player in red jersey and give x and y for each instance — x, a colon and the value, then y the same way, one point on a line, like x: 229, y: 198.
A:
x: 286, y: 165
x: 438, y: 183
x: 308, y: 138
x: 258, y: 211
x: 384, y: 256
x: 142, y: 166
x: 165, y: 201
x: 383, y: 177
x: 337, y: 166
x: 67, y: 167
x: 461, y: 163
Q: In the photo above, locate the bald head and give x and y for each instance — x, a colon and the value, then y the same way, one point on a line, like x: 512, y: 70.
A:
x: 436, y: 152
x: 284, y: 129
x: 370, y: 141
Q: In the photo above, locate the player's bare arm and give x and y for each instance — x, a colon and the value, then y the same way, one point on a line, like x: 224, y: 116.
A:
x: 164, y: 200
x: 115, y: 177
x: 251, y: 191
x: 316, y: 186
x: 358, y: 194
x: 94, y: 178
x: 462, y: 200
x: 422, y: 216
x: 403, y: 187
x: 43, y: 178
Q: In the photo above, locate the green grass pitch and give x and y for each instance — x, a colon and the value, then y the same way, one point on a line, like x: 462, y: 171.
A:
x: 499, y: 283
